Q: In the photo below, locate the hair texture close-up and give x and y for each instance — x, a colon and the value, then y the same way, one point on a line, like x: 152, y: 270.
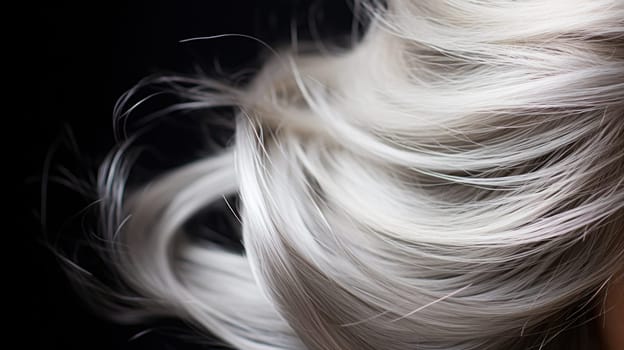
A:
x: 453, y: 180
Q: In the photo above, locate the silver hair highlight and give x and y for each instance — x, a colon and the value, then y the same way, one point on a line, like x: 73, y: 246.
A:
x: 454, y: 181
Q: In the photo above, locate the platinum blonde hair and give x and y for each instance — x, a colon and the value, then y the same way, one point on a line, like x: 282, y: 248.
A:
x: 454, y: 181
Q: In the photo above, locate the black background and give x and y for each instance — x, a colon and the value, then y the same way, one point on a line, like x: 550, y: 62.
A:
x: 72, y: 61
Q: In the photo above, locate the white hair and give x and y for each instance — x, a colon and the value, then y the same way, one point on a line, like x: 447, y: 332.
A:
x: 453, y: 181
